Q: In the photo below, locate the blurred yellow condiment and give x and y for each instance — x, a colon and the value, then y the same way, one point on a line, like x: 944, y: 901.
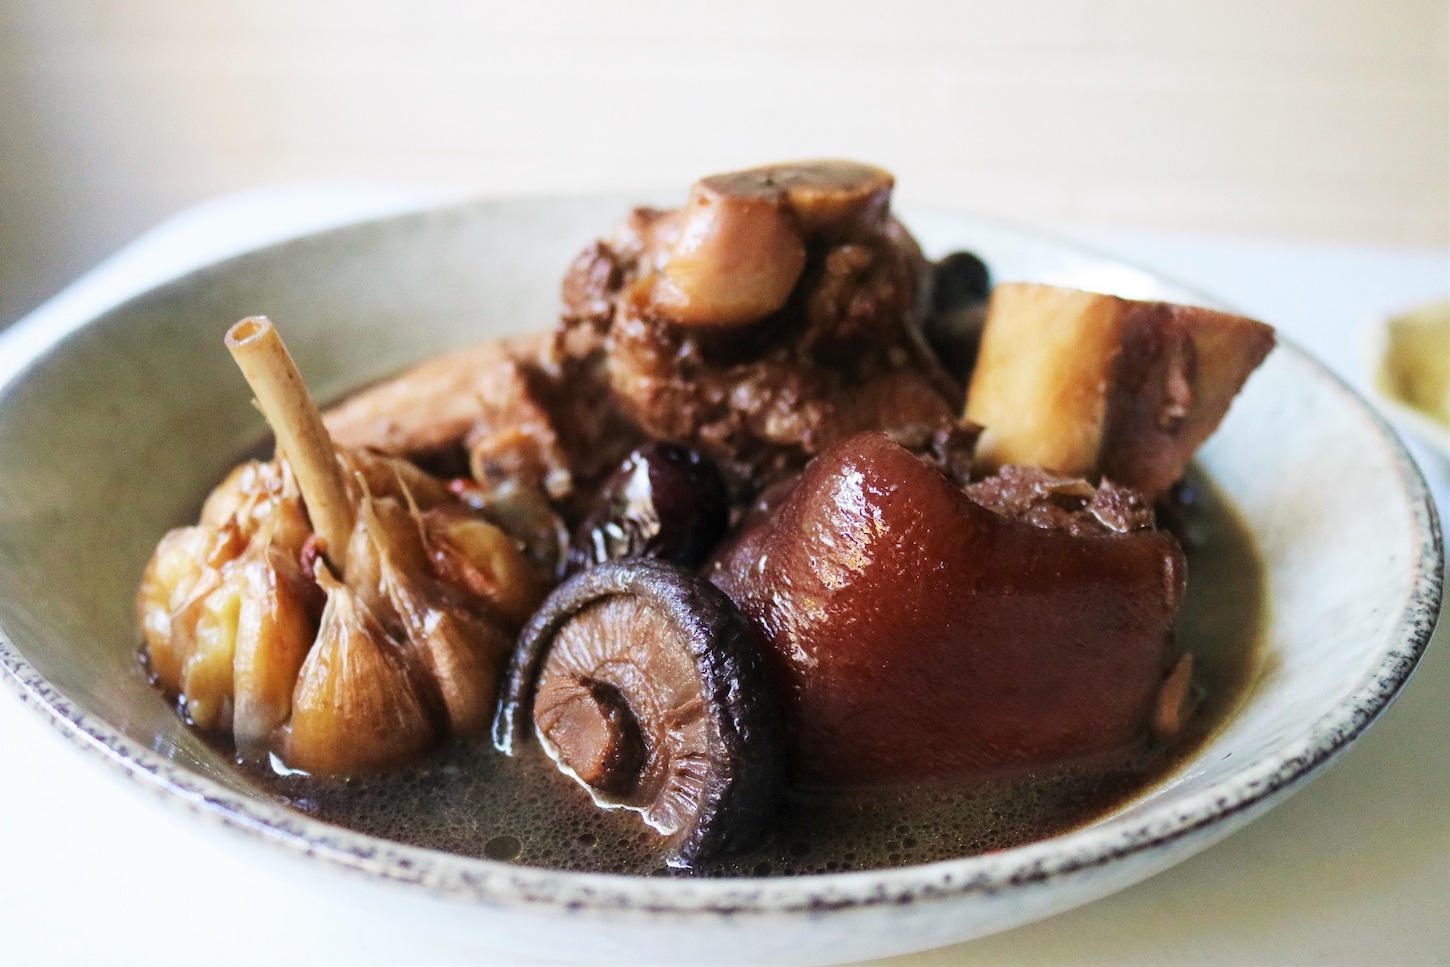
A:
x: 1415, y: 369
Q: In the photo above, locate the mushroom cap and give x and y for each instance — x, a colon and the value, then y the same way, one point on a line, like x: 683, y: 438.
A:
x: 646, y: 685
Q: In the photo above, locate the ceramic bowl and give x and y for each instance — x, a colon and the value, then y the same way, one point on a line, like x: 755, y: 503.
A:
x: 111, y: 431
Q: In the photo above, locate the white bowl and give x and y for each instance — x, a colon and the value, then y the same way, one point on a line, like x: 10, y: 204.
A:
x: 110, y: 433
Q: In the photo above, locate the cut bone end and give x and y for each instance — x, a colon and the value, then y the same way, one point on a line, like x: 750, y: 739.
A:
x: 741, y: 248
x: 823, y: 195
x: 736, y: 260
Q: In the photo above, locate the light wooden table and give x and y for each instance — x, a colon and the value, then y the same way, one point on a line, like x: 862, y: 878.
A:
x: 1353, y: 870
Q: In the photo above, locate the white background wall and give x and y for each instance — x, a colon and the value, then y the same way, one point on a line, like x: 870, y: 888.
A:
x: 1323, y: 119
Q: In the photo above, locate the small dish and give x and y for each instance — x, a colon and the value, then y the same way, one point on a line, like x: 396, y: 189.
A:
x: 1412, y: 371
x: 110, y: 433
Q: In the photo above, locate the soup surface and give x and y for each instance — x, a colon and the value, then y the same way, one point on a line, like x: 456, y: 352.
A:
x: 471, y: 800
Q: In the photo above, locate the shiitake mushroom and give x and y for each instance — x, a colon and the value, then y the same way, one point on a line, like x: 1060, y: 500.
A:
x: 645, y: 684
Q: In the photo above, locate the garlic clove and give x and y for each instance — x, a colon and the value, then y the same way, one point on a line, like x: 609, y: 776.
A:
x: 465, y: 656
x: 248, y: 496
x: 187, y: 565
x: 360, y: 702
x: 207, y: 627
x: 170, y: 577
x: 473, y: 554
x: 386, y: 541
x: 365, y: 569
x: 276, y: 628
x: 525, y: 514
x: 461, y: 650
x: 229, y: 496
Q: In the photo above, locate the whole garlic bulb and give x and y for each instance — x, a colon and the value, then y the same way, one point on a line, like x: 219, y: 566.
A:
x: 247, y: 625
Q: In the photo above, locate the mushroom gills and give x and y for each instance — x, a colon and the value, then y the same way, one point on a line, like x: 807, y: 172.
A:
x: 643, y: 684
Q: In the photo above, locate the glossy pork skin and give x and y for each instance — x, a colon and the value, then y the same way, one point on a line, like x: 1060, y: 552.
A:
x: 920, y: 635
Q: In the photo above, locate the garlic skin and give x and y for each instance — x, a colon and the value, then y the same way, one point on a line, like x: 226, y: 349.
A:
x: 209, y: 636
x: 451, y: 634
x: 465, y: 657
x: 371, y: 474
x: 360, y: 703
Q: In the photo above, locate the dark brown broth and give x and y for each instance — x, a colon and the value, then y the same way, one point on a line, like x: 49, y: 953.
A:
x: 473, y: 801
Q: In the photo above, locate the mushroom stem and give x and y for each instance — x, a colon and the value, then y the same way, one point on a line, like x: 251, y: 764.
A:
x: 283, y: 398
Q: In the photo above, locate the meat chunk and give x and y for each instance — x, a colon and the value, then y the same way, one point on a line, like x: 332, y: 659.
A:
x: 1092, y: 385
x: 1068, y: 504
x: 432, y: 407
x: 504, y: 411
x: 920, y: 635
x: 761, y: 362
x: 777, y: 312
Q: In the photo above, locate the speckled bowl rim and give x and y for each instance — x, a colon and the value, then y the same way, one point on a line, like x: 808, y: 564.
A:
x: 503, y: 885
